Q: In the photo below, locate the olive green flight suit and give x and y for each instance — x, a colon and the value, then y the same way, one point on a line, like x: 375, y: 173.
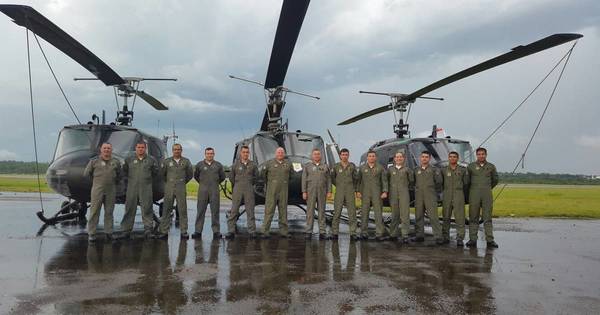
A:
x: 483, y: 178
x: 427, y: 182
x: 372, y: 182
x: 400, y: 180
x: 209, y: 176
x: 105, y: 175
x: 277, y: 177
x: 139, y: 173
x: 344, y: 179
x: 316, y: 182
x: 455, y: 182
x: 242, y: 177
x: 176, y: 175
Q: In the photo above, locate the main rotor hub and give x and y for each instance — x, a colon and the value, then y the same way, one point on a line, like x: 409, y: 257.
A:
x: 400, y: 104
x: 275, y: 98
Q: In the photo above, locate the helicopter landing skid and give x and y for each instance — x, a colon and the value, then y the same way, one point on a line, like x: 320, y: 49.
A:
x: 68, y: 211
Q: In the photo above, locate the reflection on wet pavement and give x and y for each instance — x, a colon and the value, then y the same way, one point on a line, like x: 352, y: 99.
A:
x: 537, y: 269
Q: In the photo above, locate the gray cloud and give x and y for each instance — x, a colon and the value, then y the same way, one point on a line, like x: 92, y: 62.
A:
x: 345, y: 45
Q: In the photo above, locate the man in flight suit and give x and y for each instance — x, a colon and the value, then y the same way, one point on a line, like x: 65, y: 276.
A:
x: 243, y: 177
x: 456, y: 178
x: 483, y: 178
x: 105, y: 173
x: 428, y: 180
x: 209, y: 174
x: 176, y: 171
x: 400, y: 178
x: 140, y: 170
x: 276, y: 173
x: 316, y: 188
x: 343, y: 176
x: 373, y: 187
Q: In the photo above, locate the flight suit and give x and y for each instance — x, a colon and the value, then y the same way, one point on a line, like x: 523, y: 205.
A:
x: 105, y: 175
x: 175, y: 175
x: 242, y: 177
x: 372, y: 182
x: 316, y: 182
x: 400, y: 180
x: 208, y: 176
x: 455, y: 182
x: 483, y: 178
x: 277, y: 177
x: 427, y: 183
x: 344, y: 179
x: 139, y: 173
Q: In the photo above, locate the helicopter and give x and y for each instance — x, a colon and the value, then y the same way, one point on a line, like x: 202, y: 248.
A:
x: 273, y: 131
x: 79, y: 143
x: 439, y: 147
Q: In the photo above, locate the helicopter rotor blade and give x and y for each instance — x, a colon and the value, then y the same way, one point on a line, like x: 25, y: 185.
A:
x: 515, y: 53
x: 364, y: 115
x: 31, y: 19
x: 151, y: 100
x: 288, y: 29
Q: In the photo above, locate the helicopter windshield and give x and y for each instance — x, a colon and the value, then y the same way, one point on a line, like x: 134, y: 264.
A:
x: 264, y: 147
x: 439, y: 149
x: 302, y: 144
x: 463, y: 149
x: 295, y: 145
x: 123, y: 142
x: 71, y: 140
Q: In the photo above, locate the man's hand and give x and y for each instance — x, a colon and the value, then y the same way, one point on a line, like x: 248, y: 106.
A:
x: 383, y: 195
x: 304, y: 195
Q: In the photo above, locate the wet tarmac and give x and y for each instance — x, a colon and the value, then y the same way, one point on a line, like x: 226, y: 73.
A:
x: 542, y: 266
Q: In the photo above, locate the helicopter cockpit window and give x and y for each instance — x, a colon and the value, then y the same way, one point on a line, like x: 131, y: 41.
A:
x: 438, y: 150
x: 302, y: 145
x: 71, y: 140
x: 123, y: 142
x: 264, y: 148
x: 463, y: 149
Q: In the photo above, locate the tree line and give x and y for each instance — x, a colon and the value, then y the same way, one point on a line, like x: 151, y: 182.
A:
x: 20, y: 167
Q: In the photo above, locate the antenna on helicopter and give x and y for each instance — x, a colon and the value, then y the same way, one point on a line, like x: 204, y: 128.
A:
x: 172, y: 135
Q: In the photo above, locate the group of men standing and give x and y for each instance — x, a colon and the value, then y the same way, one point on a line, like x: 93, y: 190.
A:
x: 371, y: 183
x: 140, y: 171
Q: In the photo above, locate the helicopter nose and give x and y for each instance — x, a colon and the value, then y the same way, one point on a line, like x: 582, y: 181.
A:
x: 65, y: 174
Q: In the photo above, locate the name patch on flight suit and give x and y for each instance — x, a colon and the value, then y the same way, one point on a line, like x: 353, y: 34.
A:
x: 103, y: 163
x: 171, y: 164
x: 135, y: 161
x: 297, y: 167
x: 449, y: 174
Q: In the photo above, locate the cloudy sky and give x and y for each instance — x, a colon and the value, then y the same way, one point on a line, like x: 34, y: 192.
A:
x: 344, y: 46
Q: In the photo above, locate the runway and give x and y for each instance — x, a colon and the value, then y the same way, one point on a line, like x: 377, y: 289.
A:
x: 542, y: 266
